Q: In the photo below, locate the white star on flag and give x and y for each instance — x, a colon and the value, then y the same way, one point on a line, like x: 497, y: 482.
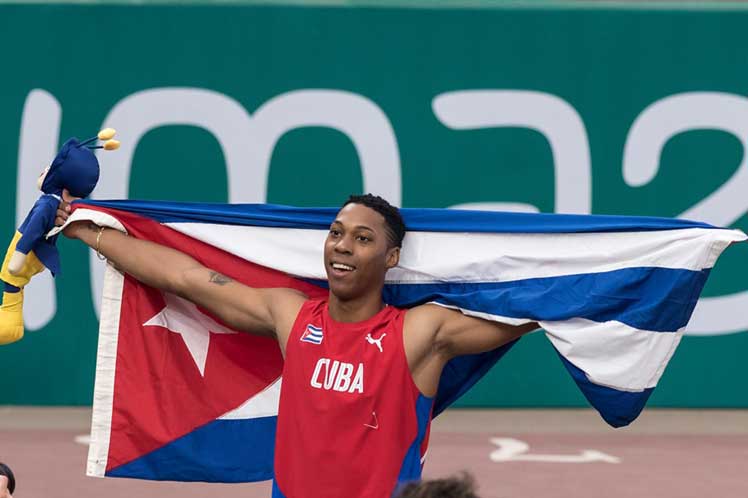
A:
x: 183, y: 317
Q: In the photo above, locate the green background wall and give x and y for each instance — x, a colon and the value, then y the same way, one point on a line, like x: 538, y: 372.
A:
x: 607, y: 64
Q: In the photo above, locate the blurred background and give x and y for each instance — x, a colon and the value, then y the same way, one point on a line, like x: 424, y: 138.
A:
x: 635, y: 108
x: 585, y: 107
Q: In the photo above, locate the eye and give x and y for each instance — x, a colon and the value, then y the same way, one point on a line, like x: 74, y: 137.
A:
x: 334, y: 232
x: 363, y: 238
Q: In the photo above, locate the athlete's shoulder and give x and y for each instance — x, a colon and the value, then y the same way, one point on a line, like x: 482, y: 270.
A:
x: 289, y: 306
x: 300, y: 305
x: 394, y: 313
x: 288, y: 293
x: 284, y: 295
x: 428, y: 312
x: 314, y: 305
x: 425, y: 320
x: 285, y: 303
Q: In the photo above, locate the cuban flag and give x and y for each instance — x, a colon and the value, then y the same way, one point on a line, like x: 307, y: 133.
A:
x: 312, y: 334
x: 181, y: 396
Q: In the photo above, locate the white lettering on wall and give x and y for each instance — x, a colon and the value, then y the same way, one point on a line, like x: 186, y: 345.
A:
x: 247, y: 142
x: 547, y: 114
x: 40, y: 129
x: 357, y: 117
x: 648, y: 135
x: 141, y: 112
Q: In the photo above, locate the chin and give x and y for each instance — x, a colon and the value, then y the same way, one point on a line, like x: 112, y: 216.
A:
x: 342, y: 291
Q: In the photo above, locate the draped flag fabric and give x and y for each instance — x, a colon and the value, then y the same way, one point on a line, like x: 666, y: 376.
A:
x: 181, y: 396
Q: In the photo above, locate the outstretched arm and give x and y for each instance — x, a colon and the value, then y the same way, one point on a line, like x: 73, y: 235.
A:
x: 449, y: 333
x: 458, y: 334
x: 259, y: 311
x: 435, y: 334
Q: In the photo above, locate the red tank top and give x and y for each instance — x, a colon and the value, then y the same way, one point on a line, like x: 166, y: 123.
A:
x: 351, y: 421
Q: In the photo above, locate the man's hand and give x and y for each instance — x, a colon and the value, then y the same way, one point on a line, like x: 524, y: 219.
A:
x: 4, y: 493
x: 63, y: 212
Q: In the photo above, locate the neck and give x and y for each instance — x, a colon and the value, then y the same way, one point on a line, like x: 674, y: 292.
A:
x: 355, y: 310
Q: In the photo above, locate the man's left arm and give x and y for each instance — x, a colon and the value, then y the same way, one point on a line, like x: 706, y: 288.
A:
x: 435, y: 334
x: 458, y: 334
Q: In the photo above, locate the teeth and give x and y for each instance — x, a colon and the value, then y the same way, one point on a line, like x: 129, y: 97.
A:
x: 340, y: 266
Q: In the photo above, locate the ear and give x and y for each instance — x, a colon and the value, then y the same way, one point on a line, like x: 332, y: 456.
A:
x: 393, y: 257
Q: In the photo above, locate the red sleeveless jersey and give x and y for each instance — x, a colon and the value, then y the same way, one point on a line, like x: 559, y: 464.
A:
x: 351, y: 421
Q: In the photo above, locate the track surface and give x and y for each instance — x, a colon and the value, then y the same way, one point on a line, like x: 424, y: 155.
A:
x: 666, y: 453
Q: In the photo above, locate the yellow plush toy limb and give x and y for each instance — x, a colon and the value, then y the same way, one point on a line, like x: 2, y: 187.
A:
x: 11, y: 311
x: 11, y: 317
x: 31, y: 266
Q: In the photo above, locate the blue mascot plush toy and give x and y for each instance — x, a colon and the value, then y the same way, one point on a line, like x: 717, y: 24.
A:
x: 74, y: 169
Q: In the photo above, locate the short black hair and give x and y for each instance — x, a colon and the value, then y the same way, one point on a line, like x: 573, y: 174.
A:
x: 462, y: 486
x: 392, y: 218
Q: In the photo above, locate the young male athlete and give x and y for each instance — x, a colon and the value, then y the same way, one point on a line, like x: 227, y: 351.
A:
x: 359, y: 376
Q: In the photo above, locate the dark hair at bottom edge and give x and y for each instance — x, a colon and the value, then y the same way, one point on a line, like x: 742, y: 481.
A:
x: 5, y: 471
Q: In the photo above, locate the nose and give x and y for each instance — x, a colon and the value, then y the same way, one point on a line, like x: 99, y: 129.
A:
x: 343, y: 245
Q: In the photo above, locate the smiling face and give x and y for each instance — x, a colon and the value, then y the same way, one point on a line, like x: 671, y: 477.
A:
x: 358, y: 252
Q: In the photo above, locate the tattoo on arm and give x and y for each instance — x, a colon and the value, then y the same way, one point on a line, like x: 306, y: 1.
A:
x: 219, y: 279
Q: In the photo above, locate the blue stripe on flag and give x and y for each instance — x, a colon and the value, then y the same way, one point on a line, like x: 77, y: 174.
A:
x: 461, y: 373
x: 655, y: 299
x: 435, y: 220
x: 220, y: 451
x: 618, y: 408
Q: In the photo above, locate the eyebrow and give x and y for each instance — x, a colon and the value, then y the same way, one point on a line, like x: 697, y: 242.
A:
x: 357, y: 227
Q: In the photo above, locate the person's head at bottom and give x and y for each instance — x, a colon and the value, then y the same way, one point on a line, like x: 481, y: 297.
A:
x: 11, y: 481
x: 462, y: 486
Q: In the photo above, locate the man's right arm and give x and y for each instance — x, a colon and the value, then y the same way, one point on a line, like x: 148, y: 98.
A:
x: 259, y: 311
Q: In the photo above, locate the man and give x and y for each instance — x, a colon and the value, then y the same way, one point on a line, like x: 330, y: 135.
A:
x: 359, y: 376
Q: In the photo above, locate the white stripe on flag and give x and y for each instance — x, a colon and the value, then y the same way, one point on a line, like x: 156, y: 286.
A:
x: 611, y: 353
x: 103, y: 396
x: 263, y: 404
x: 483, y: 257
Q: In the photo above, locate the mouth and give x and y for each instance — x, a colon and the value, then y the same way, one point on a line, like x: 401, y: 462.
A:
x: 341, y: 269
